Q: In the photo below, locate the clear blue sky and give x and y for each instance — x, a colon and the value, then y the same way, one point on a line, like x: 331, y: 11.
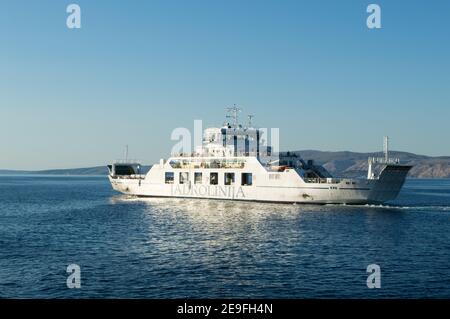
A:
x: 138, y: 69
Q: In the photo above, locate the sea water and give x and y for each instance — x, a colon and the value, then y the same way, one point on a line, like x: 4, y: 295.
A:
x: 181, y: 248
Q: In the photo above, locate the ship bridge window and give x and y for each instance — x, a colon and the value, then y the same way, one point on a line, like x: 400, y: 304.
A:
x: 214, y: 178
x: 169, y: 178
x: 124, y: 170
x: 175, y: 163
x: 247, y: 179
x: 197, y: 178
x: 229, y: 178
x: 184, y: 177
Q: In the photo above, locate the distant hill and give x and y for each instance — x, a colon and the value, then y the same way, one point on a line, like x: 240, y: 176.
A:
x: 349, y: 164
x: 352, y: 164
x: 96, y: 170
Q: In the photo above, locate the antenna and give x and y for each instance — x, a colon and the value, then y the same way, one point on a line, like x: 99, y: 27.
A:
x: 386, y: 148
x: 234, y: 110
x: 250, y: 116
x: 126, y: 153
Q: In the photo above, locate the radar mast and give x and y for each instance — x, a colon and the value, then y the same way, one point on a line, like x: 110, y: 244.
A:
x: 233, y: 113
x: 250, y: 117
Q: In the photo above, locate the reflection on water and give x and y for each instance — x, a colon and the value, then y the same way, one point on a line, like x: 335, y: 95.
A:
x: 174, y: 248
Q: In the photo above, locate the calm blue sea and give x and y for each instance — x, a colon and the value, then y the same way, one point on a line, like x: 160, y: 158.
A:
x: 175, y: 248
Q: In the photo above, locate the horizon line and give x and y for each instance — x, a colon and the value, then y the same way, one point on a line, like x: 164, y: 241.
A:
x: 104, y: 165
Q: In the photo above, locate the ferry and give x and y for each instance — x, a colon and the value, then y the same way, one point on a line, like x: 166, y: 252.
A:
x: 234, y: 163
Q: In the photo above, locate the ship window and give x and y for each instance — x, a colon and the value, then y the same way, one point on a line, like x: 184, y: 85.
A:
x: 197, y: 178
x: 184, y: 177
x: 124, y: 170
x: 175, y: 163
x: 229, y: 178
x: 169, y: 177
x: 247, y: 179
x: 214, y: 178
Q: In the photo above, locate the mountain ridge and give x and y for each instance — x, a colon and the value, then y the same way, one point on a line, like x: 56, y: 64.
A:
x: 338, y: 163
x: 354, y: 164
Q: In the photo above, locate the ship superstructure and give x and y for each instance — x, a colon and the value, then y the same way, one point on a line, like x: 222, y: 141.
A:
x: 235, y: 163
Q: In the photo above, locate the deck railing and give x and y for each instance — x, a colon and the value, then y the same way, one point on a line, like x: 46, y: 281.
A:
x: 224, y: 154
x: 126, y: 161
x: 383, y: 160
x: 317, y: 180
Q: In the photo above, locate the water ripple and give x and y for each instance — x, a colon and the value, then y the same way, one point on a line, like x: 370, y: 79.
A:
x: 176, y: 248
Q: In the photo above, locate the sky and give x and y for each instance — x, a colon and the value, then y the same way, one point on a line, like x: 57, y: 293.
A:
x: 136, y: 70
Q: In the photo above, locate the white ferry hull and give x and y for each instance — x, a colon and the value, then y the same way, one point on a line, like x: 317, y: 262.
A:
x: 289, y: 188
